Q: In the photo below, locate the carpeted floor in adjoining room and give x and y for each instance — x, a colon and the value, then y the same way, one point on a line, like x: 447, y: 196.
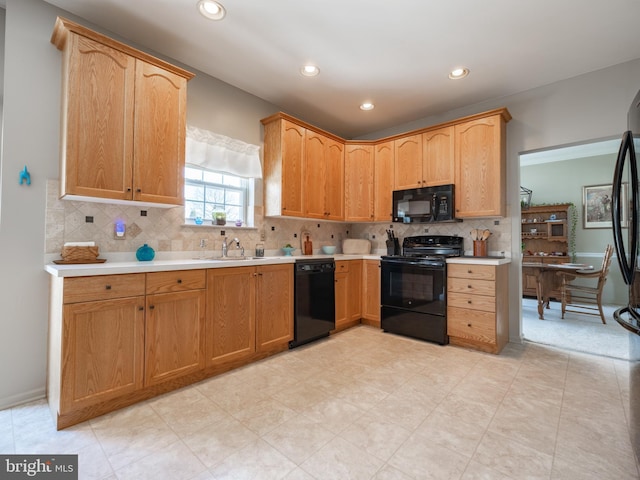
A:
x: 582, y: 333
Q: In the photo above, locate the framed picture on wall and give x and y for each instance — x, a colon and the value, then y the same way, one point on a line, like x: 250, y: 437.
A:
x: 597, y: 205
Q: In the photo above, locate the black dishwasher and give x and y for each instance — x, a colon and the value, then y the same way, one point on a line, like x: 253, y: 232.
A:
x: 315, y: 300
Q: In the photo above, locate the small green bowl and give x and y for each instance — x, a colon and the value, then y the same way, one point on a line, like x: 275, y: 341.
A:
x: 288, y: 251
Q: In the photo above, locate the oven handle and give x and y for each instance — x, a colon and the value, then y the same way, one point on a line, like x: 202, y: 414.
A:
x: 409, y: 262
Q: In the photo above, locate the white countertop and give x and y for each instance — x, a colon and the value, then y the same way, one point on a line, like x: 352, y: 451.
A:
x: 479, y: 260
x: 115, y: 268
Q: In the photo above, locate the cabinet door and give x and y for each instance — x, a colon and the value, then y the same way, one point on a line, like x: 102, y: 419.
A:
x: 408, y: 162
x: 371, y: 291
x: 99, y: 91
x: 383, y: 182
x: 480, y: 168
x: 174, y: 338
x: 354, y: 290
x: 230, y: 316
x: 160, y: 125
x: 359, y: 183
x: 316, y: 171
x: 102, y: 351
x: 437, y: 157
x: 342, y: 302
x: 334, y: 181
x: 274, y: 307
x: 292, y: 169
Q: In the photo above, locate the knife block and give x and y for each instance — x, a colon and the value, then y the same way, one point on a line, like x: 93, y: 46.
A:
x: 393, y: 247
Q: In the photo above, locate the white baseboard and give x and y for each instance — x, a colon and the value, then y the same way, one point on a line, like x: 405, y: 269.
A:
x: 21, y: 398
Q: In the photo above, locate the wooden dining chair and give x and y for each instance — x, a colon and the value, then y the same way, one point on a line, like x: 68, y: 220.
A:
x: 582, y: 299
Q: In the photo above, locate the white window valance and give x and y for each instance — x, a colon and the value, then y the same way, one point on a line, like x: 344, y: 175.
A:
x: 216, y: 152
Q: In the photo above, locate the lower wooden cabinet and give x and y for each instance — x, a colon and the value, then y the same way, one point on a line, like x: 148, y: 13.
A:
x: 477, y: 306
x: 174, y: 326
x: 274, y: 307
x: 348, y: 291
x: 249, y: 310
x: 102, y: 351
x: 371, y: 292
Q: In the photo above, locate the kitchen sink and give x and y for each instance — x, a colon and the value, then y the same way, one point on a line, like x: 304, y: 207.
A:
x: 230, y: 259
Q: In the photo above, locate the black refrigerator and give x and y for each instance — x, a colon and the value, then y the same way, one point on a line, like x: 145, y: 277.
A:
x: 626, y: 214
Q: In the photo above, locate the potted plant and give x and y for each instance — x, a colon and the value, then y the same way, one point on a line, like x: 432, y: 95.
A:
x: 219, y: 217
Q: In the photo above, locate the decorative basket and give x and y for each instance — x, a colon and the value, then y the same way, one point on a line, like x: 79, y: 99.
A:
x: 80, y: 254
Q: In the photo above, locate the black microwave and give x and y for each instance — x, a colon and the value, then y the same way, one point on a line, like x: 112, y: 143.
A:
x: 423, y: 205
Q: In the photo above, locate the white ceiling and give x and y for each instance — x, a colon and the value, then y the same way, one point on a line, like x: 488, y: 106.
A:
x: 394, y: 54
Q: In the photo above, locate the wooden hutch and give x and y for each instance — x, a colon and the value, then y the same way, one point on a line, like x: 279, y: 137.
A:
x: 545, y: 239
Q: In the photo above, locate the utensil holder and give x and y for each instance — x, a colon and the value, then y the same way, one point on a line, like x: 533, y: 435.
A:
x: 479, y: 248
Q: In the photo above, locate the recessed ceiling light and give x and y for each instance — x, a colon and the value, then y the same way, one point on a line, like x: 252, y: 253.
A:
x: 309, y: 70
x: 211, y: 9
x: 367, y: 106
x: 458, y: 73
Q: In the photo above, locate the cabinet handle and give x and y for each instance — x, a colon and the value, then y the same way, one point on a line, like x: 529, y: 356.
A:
x: 138, y: 190
x: 107, y: 287
x: 179, y: 280
x: 151, y: 307
x: 468, y: 325
x: 469, y: 271
x: 469, y: 302
x: 140, y: 309
x: 129, y: 189
x: 469, y: 286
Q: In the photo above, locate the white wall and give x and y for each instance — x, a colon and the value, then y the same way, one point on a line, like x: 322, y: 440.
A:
x: 590, y: 106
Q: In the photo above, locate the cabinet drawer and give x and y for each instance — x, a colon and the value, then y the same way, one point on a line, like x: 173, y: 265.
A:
x: 342, y: 266
x: 475, y: 287
x: 473, y: 302
x: 102, y: 287
x: 471, y: 325
x: 178, y: 281
x: 483, y: 272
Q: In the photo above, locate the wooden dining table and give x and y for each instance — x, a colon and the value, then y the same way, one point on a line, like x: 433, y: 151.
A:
x: 547, y: 278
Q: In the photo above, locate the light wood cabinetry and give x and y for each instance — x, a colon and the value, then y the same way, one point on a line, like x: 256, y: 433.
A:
x: 231, y: 314
x: 249, y: 310
x: 480, y: 166
x: 348, y: 292
x: 359, y: 172
x: 371, y: 292
x: 408, y: 162
x: 274, y: 307
x: 438, y: 157
x: 545, y: 239
x: 96, y: 340
x: 123, y: 120
x: 174, y: 326
x: 324, y: 177
x: 283, y: 167
x: 477, y: 306
x: 383, y: 181
x: 467, y: 152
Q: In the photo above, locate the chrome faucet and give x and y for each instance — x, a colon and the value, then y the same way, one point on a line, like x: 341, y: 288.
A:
x: 224, y: 247
x: 239, y: 247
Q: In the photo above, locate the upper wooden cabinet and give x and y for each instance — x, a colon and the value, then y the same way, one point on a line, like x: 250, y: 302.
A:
x: 324, y: 177
x: 438, y: 157
x: 408, y: 162
x: 123, y: 120
x: 480, y: 164
x: 359, y: 183
x: 383, y: 181
x: 283, y: 167
x: 329, y: 178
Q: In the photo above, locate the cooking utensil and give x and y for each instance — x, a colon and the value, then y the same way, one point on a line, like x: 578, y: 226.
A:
x: 474, y: 234
x: 485, y: 234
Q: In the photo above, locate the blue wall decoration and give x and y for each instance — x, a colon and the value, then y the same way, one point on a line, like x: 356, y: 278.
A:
x: 25, y: 176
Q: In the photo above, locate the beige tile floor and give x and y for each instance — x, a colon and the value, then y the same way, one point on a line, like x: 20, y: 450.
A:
x: 363, y: 405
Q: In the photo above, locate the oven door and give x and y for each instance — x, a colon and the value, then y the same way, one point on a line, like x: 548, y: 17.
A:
x: 414, y: 286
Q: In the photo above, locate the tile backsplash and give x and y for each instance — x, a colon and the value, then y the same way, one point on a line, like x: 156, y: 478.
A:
x: 165, y: 231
